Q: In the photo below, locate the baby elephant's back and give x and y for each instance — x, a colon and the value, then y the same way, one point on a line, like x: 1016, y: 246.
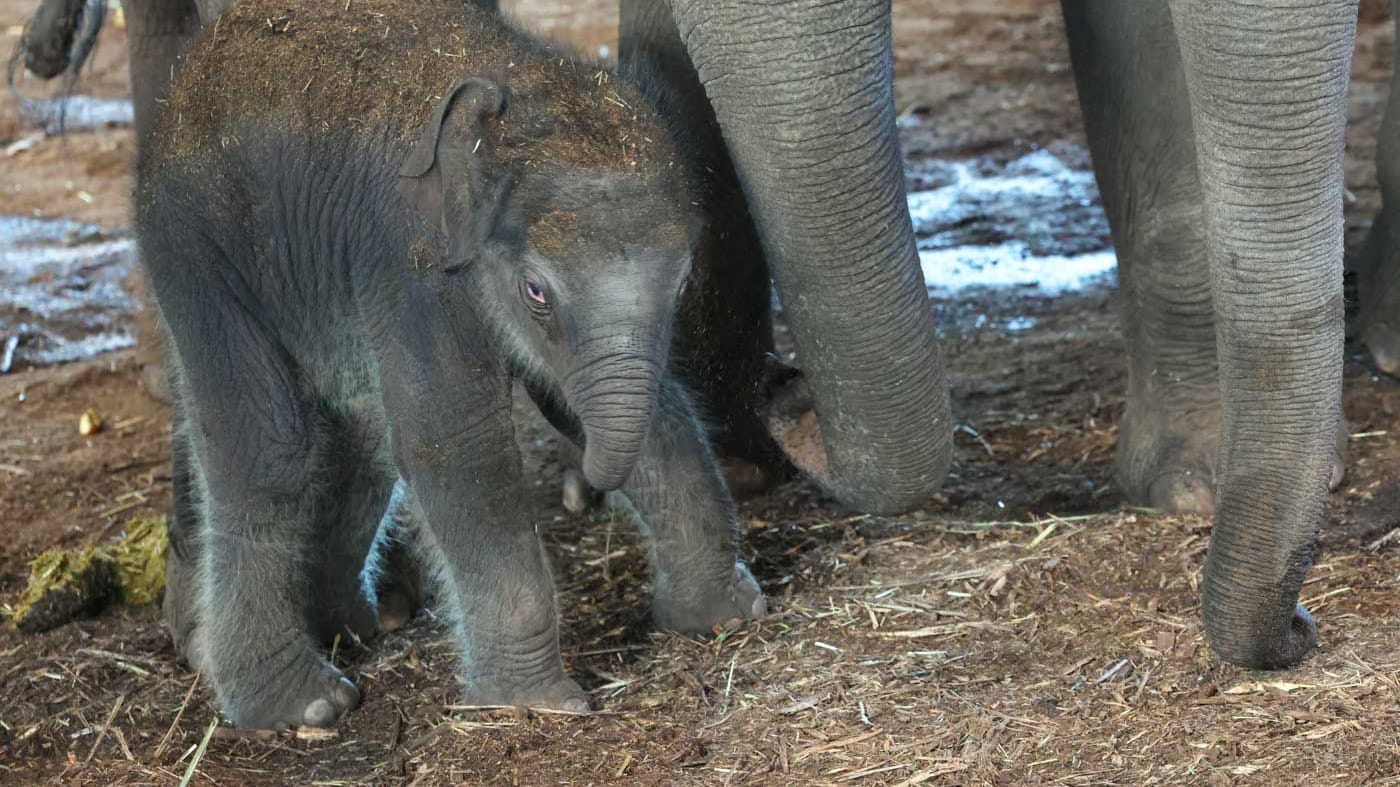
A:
x: 368, y: 68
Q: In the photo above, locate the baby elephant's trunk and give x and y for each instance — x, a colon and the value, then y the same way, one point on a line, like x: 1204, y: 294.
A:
x: 613, y: 392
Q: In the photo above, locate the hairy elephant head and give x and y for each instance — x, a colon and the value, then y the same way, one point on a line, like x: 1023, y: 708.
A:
x: 576, y: 261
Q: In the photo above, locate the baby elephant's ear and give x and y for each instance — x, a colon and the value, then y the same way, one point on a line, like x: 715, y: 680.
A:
x: 443, y: 154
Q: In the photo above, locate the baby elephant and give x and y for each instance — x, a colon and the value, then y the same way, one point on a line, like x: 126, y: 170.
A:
x: 356, y: 249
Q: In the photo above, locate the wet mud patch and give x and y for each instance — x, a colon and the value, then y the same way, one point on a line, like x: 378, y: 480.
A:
x: 61, y: 291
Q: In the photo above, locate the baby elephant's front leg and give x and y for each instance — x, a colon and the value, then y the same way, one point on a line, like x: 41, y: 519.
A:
x: 685, y: 509
x: 494, y: 581
x: 448, y: 402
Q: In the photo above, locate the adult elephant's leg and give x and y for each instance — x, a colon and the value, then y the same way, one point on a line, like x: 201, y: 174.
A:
x: 1380, y: 259
x: 156, y: 33
x: 724, y: 328
x: 1268, y: 94
x: 1138, y: 116
x: 803, y: 91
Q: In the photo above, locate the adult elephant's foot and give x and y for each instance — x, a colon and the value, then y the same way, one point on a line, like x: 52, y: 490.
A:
x: 1168, y: 466
x: 1379, y: 293
x: 1166, y: 460
x: 1166, y: 454
x: 701, y: 610
x: 550, y: 692
x: 293, y: 688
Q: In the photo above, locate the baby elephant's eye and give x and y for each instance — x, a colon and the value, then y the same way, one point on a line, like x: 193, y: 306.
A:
x: 535, y: 296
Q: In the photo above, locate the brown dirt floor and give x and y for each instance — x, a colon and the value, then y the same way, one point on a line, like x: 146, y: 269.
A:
x: 1024, y: 629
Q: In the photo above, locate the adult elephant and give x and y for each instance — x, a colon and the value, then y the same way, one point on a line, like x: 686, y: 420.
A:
x: 1216, y: 129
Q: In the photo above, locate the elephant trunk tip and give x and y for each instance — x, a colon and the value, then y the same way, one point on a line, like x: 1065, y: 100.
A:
x: 793, y: 423
x: 607, y: 470
x: 1246, y: 644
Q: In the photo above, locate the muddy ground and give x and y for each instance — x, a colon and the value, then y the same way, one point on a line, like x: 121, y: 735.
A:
x: 1025, y: 628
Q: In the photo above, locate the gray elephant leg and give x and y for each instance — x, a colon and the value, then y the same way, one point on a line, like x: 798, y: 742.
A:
x: 808, y: 117
x: 352, y: 501
x: 1380, y: 258
x: 157, y: 31
x: 1268, y: 96
x: 251, y: 450
x: 267, y: 668
x: 465, y: 483
x: 183, y: 560
x: 683, y: 507
x: 1137, y: 113
x: 724, y: 329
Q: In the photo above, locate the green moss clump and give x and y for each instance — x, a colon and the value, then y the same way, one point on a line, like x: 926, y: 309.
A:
x: 65, y: 585
x: 139, y: 558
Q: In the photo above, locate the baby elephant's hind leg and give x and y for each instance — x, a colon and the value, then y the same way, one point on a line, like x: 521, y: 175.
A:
x: 680, y: 498
x: 183, y: 559
x: 253, y: 443
x: 353, y: 497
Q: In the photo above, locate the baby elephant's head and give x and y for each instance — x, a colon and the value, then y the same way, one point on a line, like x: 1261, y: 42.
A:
x: 577, y: 253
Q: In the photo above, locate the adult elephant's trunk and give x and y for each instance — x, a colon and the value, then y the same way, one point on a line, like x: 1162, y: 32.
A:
x: 613, y: 392
x: 803, y: 90
x: 1268, y: 93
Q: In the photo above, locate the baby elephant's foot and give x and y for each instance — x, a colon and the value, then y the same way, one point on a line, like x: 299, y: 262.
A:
x: 557, y: 693
x: 351, y: 618
x: 307, y: 692
x: 700, y: 610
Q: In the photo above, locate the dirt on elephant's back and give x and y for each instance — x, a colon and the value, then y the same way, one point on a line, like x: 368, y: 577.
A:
x: 378, y: 67
x: 1023, y: 629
